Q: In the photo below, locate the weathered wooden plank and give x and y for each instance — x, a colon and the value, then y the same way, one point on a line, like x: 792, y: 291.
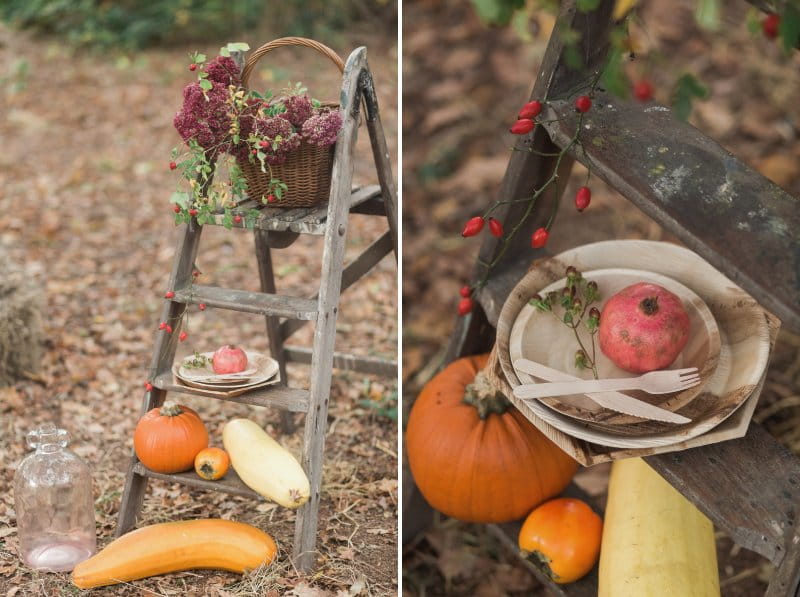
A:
x: 277, y: 395
x: 786, y: 580
x: 248, y: 302
x: 267, y: 279
x: 739, y: 221
x: 325, y: 330
x: 163, y: 356
x: 346, y: 362
x: 527, y: 168
x: 380, y: 152
x: 318, y: 216
x: 748, y: 487
x: 301, y: 220
x: 508, y: 535
x: 371, y: 207
x: 230, y: 483
x: 354, y: 271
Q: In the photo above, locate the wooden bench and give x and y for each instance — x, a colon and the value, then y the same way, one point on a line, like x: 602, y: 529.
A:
x: 736, y: 219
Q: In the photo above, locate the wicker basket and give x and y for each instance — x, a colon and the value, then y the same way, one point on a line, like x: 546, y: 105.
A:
x: 306, y: 171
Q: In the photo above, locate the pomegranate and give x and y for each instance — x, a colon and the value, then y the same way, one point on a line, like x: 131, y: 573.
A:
x: 643, y: 327
x: 229, y: 359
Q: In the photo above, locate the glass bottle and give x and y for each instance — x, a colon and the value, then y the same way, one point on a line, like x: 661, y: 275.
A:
x: 54, y: 504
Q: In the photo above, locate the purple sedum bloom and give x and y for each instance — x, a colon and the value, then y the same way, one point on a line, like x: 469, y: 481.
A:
x: 204, y: 117
x: 298, y: 109
x: 322, y: 129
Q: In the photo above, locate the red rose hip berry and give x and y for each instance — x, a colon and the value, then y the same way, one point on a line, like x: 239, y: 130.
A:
x: 530, y: 110
x: 522, y: 127
x: 192, y: 67
x: 583, y: 103
x: 465, y: 306
x: 643, y: 90
x: 472, y: 227
x: 465, y: 291
x: 770, y: 25
x: 495, y: 227
x: 582, y: 198
x: 539, y: 238
x: 172, y: 165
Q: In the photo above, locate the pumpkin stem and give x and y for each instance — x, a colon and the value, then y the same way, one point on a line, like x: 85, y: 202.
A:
x: 484, y: 397
x: 170, y: 409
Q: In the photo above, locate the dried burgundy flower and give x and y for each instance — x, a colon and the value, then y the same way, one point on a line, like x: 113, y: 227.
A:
x: 223, y: 70
x: 298, y: 109
x: 204, y: 117
x: 281, y: 137
x: 322, y: 129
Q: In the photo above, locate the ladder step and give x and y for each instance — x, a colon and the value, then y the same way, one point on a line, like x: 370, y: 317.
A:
x: 249, y: 302
x: 230, y: 483
x: 307, y: 220
x: 693, y: 186
x: 346, y: 362
x: 277, y: 395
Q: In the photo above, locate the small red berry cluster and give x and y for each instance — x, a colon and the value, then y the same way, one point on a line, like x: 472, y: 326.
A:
x: 164, y: 326
x: 525, y: 124
x: 771, y: 25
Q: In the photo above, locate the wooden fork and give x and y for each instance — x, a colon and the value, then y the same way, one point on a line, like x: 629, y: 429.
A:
x: 654, y: 382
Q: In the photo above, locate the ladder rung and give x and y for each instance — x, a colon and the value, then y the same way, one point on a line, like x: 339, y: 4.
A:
x: 279, y: 395
x: 728, y: 213
x: 346, y: 362
x: 250, y: 302
x: 230, y: 483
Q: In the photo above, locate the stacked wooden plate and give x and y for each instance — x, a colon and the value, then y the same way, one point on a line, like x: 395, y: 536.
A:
x: 730, y: 341
x: 262, y: 370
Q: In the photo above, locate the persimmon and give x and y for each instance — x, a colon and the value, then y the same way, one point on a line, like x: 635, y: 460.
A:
x: 563, y: 535
x: 212, y: 463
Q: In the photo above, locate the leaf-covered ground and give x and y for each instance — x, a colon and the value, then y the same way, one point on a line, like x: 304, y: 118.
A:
x: 84, y: 185
x: 463, y: 85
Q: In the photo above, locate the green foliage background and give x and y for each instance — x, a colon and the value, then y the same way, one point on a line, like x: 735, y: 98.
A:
x: 134, y: 24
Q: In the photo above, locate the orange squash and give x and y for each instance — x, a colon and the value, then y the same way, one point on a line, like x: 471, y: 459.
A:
x: 212, y: 463
x: 474, y: 456
x: 168, y: 438
x: 563, y: 536
x: 174, y: 546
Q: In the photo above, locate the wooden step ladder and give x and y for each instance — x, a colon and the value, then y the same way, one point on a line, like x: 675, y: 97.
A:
x: 740, y: 222
x: 277, y: 228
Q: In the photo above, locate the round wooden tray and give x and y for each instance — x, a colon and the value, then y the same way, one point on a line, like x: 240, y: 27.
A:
x: 542, y: 337
x: 744, y: 338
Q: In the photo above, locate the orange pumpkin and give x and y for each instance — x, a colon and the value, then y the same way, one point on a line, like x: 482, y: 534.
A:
x: 475, y: 457
x: 212, y: 463
x: 563, y: 536
x: 168, y: 438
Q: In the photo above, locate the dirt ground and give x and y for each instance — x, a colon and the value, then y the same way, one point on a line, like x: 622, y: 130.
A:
x: 463, y: 84
x: 84, y: 188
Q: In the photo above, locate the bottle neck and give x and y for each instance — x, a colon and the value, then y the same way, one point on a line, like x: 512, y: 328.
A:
x: 48, y: 449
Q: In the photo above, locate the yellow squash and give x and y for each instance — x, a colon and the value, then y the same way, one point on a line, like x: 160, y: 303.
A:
x: 264, y: 465
x: 174, y: 546
x: 655, y: 542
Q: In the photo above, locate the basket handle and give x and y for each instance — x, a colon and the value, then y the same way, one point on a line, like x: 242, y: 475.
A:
x: 254, y: 57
